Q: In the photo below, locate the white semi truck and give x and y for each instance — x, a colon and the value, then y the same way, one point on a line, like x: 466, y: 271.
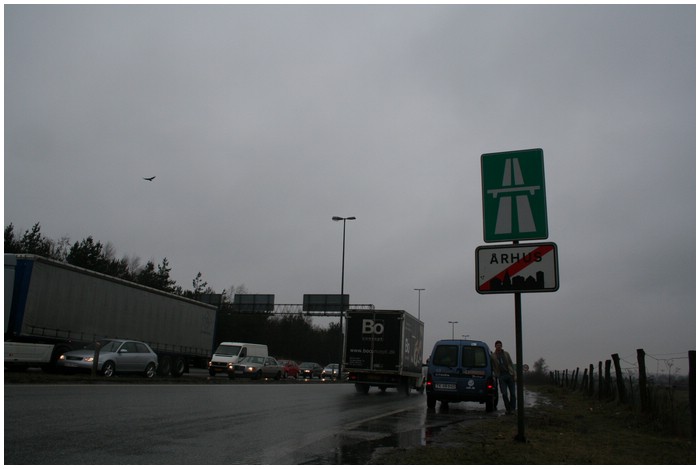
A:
x: 52, y: 307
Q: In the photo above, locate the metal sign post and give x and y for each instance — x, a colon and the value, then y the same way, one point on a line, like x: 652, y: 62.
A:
x: 519, y: 368
x: 515, y: 209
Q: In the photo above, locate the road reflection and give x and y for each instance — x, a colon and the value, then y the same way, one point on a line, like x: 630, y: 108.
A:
x: 409, y: 428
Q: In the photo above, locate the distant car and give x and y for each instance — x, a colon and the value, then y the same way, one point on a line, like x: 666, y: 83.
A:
x: 116, y: 356
x: 330, y: 371
x: 256, y: 368
x: 289, y: 368
x: 310, y: 369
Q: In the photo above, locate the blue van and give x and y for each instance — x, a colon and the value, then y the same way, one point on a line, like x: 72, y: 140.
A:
x: 460, y: 370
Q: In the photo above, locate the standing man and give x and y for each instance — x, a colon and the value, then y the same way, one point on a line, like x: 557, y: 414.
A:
x: 504, y: 371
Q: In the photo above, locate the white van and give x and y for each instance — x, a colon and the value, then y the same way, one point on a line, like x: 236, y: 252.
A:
x: 228, y: 353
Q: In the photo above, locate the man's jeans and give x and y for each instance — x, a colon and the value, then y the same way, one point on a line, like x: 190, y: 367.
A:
x: 507, y: 384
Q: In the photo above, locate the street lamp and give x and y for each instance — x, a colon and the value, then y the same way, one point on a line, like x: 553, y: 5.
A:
x: 419, y: 290
x: 453, y: 328
x: 342, y: 297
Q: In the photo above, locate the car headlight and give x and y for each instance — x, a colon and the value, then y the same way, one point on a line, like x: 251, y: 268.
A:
x: 88, y: 359
x: 251, y: 369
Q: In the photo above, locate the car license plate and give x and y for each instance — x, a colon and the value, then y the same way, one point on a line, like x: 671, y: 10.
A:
x: 447, y: 386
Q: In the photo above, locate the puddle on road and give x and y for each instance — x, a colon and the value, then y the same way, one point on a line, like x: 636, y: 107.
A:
x: 358, y: 444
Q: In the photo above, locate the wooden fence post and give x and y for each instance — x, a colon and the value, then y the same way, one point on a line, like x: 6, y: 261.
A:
x: 620, y: 379
x: 573, y: 388
x: 691, y: 379
x: 643, y: 392
x: 608, y: 383
x: 600, y: 380
x: 584, y: 380
x: 590, y: 381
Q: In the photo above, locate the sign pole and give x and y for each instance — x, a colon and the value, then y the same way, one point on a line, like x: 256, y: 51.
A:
x: 519, y: 368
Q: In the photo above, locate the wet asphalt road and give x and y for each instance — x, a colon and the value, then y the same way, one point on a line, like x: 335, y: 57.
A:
x: 256, y: 423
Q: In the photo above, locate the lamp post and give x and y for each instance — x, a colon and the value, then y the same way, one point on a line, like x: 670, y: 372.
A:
x: 342, y: 297
x: 419, y: 290
x: 453, y: 328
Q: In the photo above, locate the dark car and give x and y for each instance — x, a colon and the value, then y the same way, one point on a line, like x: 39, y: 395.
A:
x: 116, y: 356
x: 310, y: 370
x: 460, y: 370
x: 289, y: 368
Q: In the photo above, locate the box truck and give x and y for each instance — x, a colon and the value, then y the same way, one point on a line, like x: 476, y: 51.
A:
x: 384, y: 349
x: 52, y: 307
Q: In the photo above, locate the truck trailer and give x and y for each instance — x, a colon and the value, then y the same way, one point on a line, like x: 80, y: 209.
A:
x: 52, y: 307
x: 383, y: 348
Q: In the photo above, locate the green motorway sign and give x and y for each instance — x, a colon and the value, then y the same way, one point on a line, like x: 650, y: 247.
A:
x: 513, y: 196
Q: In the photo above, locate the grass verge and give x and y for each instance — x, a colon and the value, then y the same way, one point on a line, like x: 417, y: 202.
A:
x: 562, y: 428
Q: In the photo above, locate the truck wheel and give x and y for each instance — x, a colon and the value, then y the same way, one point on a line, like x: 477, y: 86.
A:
x: 278, y: 376
x: 431, y: 402
x: 212, y: 372
x: 179, y: 367
x: 362, y: 388
x: 150, y: 371
x: 164, y: 365
x: 108, y: 369
x: 405, y: 387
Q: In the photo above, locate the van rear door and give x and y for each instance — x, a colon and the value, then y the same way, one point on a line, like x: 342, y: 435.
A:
x: 474, y: 369
x: 445, y: 361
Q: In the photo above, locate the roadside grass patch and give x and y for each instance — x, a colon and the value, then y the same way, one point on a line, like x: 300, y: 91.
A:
x: 562, y: 428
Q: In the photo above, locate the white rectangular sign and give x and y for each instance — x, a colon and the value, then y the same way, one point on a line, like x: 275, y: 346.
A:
x: 517, y: 268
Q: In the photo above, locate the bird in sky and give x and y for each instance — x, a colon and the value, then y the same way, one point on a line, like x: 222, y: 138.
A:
x: 150, y: 178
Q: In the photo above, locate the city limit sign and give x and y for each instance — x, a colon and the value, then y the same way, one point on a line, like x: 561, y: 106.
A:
x: 513, y: 196
x: 517, y: 268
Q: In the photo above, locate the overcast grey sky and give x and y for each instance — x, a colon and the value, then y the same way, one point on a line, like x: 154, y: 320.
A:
x: 260, y: 123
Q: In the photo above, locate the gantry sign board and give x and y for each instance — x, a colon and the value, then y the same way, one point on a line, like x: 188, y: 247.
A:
x: 513, y: 196
x: 253, y: 303
x: 325, y: 303
x: 517, y: 268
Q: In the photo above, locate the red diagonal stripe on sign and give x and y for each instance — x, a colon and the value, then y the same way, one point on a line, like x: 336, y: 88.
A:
x: 518, y: 266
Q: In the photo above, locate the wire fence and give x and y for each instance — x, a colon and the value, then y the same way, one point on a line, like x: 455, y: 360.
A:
x: 659, y: 391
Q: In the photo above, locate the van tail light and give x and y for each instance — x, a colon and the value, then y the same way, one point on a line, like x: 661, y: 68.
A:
x: 429, y: 381
x: 490, y: 384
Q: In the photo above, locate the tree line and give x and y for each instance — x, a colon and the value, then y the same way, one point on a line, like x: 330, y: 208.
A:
x: 287, y: 336
x: 96, y: 256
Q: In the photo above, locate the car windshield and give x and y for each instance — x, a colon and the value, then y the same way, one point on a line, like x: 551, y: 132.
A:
x: 227, y: 350
x: 307, y: 365
x: 110, y: 346
x: 253, y: 360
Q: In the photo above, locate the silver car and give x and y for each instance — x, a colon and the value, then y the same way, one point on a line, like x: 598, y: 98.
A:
x: 116, y: 356
x: 256, y: 368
